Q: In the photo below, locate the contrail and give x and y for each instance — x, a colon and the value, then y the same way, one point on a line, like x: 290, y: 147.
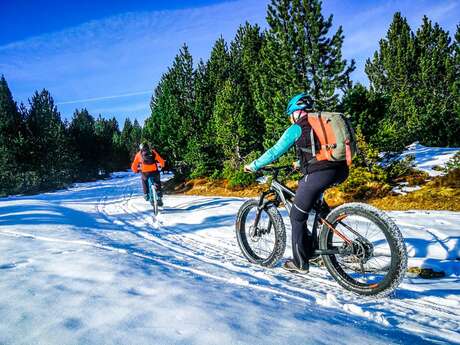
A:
x: 105, y: 97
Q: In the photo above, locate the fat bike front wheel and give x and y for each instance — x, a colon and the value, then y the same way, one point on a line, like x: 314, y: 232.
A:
x: 265, y: 243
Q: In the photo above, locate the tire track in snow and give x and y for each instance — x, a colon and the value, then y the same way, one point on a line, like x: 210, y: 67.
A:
x: 406, y: 314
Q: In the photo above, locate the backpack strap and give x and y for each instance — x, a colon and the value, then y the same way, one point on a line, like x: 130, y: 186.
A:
x: 324, y: 149
x: 312, y: 148
x: 348, y: 152
x: 141, y: 158
x: 312, y: 141
x: 154, y: 156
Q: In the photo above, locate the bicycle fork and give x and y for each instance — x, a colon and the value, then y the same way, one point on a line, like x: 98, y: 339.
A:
x: 261, y: 206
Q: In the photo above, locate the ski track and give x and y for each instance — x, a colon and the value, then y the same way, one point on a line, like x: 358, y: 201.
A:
x: 194, y: 250
x: 216, y: 255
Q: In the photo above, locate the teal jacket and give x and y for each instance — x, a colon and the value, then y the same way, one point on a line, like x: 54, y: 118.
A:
x: 286, y: 141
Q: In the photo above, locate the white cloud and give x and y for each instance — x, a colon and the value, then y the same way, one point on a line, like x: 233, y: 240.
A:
x: 117, y: 56
x: 142, y: 107
x: 94, y: 99
x: 104, y: 63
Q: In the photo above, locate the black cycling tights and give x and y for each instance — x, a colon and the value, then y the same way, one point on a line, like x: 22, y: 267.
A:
x: 156, y: 179
x: 309, y: 190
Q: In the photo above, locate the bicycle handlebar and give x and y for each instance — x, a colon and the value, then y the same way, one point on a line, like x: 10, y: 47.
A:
x: 275, y: 170
x: 272, y: 168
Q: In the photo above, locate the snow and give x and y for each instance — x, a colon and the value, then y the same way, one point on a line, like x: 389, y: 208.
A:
x: 403, y: 188
x: 426, y: 158
x: 91, y: 265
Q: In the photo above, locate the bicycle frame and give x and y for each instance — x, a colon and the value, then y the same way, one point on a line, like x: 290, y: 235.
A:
x: 285, y: 195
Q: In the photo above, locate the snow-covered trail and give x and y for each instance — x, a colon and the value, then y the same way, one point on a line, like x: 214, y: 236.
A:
x: 92, y: 265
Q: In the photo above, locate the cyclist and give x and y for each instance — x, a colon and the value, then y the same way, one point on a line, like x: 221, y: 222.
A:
x: 318, y: 176
x: 149, y: 159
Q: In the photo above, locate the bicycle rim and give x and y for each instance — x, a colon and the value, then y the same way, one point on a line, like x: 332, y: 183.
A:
x: 378, y: 260
x: 259, y: 245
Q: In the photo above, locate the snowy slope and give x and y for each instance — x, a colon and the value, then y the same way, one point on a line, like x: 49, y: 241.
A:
x: 90, y: 265
x: 426, y: 158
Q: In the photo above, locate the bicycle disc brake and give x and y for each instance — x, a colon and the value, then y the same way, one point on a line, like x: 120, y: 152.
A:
x: 256, y: 233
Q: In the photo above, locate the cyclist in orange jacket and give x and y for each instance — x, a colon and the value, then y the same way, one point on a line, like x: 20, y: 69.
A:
x: 148, y: 160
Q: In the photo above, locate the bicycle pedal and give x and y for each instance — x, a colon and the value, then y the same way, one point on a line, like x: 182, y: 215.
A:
x: 317, y: 261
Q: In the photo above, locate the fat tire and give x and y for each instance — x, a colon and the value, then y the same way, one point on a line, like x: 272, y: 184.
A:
x: 394, y: 237
x: 278, y: 227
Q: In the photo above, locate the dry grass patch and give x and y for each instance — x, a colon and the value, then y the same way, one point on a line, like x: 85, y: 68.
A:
x: 427, y: 198
x: 208, y: 187
x: 442, y: 193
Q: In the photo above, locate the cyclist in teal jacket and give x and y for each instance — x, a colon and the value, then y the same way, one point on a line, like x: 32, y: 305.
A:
x: 318, y: 176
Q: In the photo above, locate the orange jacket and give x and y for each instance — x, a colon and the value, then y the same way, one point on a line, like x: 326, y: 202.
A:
x: 147, y: 167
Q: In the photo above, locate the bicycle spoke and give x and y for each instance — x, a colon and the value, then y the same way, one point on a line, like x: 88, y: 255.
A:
x: 372, y: 257
x: 262, y: 241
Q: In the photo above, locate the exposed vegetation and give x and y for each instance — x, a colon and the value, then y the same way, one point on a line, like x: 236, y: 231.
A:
x: 214, y: 118
x: 210, y: 118
x: 40, y: 152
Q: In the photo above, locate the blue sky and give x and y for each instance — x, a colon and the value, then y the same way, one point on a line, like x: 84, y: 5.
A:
x: 108, y: 56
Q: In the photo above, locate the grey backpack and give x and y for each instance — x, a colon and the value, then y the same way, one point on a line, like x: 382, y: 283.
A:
x: 332, y: 137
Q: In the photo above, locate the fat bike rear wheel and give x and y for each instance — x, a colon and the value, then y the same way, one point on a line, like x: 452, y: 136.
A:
x: 154, y: 199
x: 373, y: 259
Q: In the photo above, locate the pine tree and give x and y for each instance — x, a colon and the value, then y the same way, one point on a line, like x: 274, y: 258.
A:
x: 135, y: 138
x: 366, y: 110
x: 121, y: 155
x: 394, y: 65
x: 228, y: 117
x: 201, y: 154
x: 171, y: 122
x: 10, y: 136
x: 158, y: 129
x: 83, y: 138
x: 392, y: 72
x: 105, y: 131
x: 245, y: 54
x: 273, y: 82
x: 437, y: 121
x: 237, y: 124
x: 126, y: 132
x: 126, y: 138
x: 49, y: 152
x: 10, y: 119
x: 416, y: 73
x: 204, y: 154
x: 183, y: 91
x: 316, y: 58
x: 299, y: 54
x: 218, y: 67
x: 455, y: 87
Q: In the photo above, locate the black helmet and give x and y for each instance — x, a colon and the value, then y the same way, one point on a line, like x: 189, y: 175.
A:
x: 144, y: 145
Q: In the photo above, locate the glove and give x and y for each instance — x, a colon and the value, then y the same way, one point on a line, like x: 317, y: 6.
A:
x: 248, y: 169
